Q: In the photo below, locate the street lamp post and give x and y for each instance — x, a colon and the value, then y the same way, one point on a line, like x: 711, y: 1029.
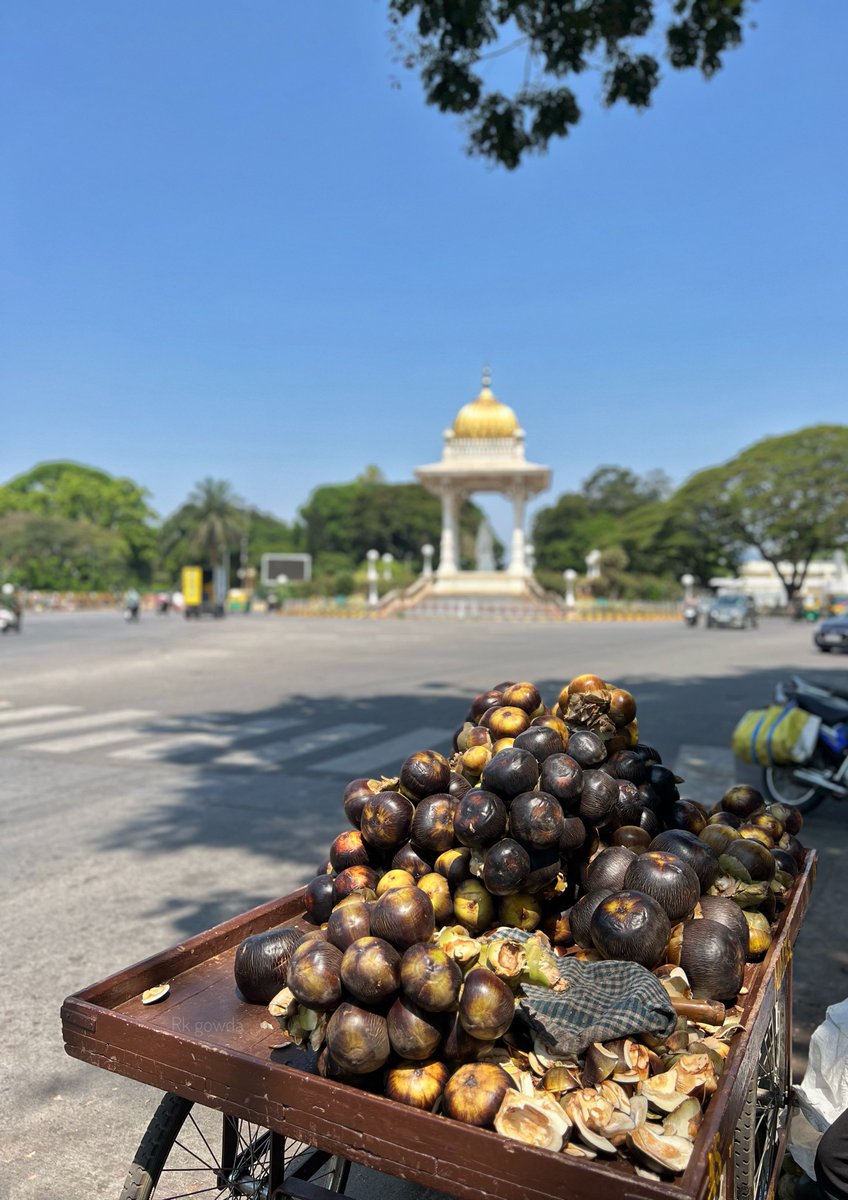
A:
x: 427, y: 553
x: 570, y: 577
x: 688, y: 582
x: 388, y: 559
x: 373, y: 558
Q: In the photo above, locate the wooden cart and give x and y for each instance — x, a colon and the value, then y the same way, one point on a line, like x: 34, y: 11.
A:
x: 288, y: 1132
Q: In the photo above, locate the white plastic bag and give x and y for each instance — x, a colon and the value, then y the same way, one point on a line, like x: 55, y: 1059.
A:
x: 823, y: 1093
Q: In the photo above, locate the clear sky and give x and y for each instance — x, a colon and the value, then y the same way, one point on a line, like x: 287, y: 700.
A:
x: 232, y: 246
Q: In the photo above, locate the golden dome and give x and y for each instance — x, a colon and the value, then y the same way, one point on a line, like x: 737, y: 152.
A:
x: 485, y: 417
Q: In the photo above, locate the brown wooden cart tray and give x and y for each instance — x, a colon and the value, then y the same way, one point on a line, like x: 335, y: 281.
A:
x: 204, y: 1043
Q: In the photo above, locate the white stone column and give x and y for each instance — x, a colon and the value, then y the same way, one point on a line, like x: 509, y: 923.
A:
x: 517, y: 562
x: 447, y: 546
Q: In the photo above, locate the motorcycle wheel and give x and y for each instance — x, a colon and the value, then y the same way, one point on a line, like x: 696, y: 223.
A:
x: 781, y: 786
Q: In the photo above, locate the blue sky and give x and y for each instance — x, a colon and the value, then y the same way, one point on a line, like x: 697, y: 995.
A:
x: 231, y: 246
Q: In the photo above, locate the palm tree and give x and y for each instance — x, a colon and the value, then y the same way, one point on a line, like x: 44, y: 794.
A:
x: 211, y: 522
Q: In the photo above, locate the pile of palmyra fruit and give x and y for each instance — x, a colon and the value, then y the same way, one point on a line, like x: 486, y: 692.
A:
x: 549, y: 832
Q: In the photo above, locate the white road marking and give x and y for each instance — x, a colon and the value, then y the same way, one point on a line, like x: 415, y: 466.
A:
x: 7, y: 717
x: 275, y: 753
x: 92, y: 720
x: 389, y: 753
x: 708, y: 771
x: 87, y: 741
x: 186, y: 743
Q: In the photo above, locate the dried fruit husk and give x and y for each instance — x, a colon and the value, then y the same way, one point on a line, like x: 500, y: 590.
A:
x: 535, y: 1121
x: 662, y: 1152
x: 262, y: 961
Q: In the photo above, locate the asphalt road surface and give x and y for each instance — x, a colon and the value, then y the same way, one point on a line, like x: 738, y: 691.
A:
x: 158, y: 778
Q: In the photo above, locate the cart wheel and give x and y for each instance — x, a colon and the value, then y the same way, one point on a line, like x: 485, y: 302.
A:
x: 765, y: 1112
x: 190, y: 1150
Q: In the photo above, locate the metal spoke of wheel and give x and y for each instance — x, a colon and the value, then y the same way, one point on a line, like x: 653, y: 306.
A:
x: 176, y: 1159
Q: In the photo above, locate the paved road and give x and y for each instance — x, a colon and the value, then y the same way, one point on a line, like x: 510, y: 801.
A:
x: 158, y: 778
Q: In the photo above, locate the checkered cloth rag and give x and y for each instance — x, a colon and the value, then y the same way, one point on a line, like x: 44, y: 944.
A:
x: 598, y: 1002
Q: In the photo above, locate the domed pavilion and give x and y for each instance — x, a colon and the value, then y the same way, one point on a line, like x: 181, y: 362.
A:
x: 483, y: 452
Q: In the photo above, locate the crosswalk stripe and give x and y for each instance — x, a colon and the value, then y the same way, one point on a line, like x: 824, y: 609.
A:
x: 39, y: 728
x: 273, y: 755
x: 87, y: 741
x: 389, y: 753
x: 12, y: 715
x: 179, y: 744
x: 707, y: 771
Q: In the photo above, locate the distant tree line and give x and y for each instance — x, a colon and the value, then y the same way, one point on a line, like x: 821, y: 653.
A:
x: 69, y: 527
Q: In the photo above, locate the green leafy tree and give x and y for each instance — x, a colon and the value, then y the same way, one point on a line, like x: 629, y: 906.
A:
x: 75, y: 492
x: 450, y: 44
x: 209, y: 525
x: 395, y: 518
x: 785, y: 496
x: 617, y: 491
x: 51, y: 553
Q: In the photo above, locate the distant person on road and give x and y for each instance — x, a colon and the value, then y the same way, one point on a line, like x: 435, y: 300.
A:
x: 132, y: 603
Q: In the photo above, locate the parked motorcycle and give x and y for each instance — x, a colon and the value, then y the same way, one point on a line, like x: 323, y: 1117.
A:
x: 805, y: 785
x: 690, y: 614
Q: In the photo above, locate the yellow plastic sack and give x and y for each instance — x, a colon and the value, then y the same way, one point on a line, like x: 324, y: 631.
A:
x: 777, y: 734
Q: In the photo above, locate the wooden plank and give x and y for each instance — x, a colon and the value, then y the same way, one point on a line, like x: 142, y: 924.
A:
x: 205, y: 1043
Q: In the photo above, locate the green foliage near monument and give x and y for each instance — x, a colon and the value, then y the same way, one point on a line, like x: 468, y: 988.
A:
x: 208, y: 526
x: 350, y: 519
x: 65, y: 495
x: 786, y: 496
x: 540, y: 46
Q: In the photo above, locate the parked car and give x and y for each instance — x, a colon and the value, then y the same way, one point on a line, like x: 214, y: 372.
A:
x: 832, y: 634
x: 732, y: 612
